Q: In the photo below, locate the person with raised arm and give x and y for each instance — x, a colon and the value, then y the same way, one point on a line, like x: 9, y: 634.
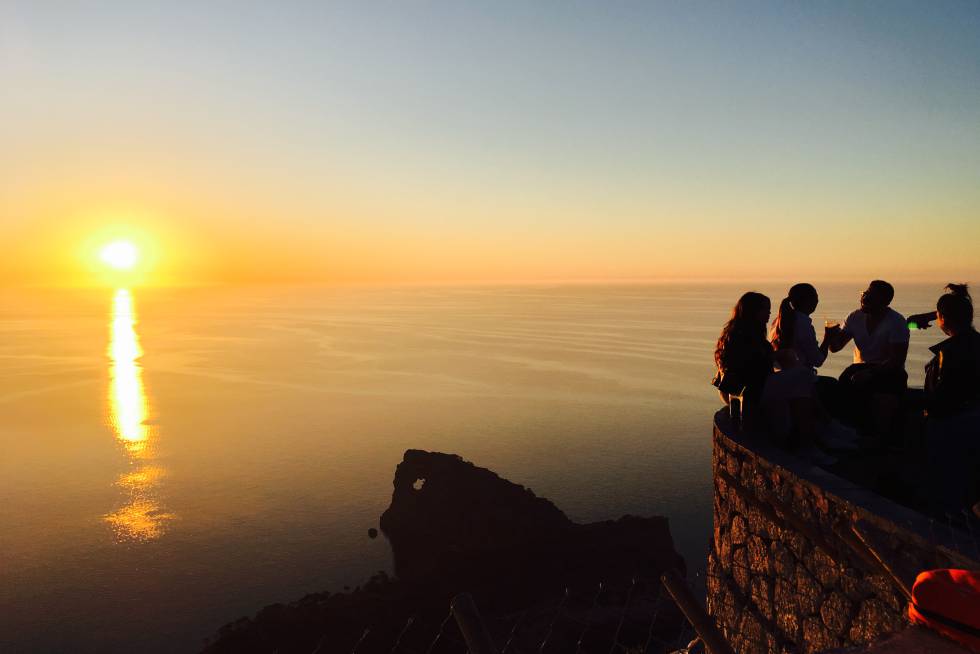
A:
x: 876, y: 382
x: 793, y: 327
x: 795, y: 341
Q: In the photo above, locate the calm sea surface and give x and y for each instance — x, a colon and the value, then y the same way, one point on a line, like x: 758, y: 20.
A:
x: 172, y: 460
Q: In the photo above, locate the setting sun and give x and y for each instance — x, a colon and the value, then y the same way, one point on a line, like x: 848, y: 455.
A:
x: 121, y: 255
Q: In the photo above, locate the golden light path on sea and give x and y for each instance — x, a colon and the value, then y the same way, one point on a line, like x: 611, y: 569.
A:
x: 127, y: 395
x: 142, y: 518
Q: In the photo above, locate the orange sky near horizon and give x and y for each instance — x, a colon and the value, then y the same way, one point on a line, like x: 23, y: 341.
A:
x: 209, y: 244
x: 312, y: 144
x: 194, y: 234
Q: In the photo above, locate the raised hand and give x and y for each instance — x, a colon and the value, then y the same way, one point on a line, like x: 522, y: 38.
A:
x: 921, y: 320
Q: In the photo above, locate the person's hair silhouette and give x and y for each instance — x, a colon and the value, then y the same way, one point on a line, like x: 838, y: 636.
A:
x: 954, y: 310
x: 801, y: 297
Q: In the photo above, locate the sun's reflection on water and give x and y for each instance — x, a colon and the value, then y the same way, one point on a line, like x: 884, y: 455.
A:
x: 142, y: 518
x: 127, y: 397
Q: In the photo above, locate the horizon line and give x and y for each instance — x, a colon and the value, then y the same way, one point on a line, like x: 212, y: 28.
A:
x: 583, y: 281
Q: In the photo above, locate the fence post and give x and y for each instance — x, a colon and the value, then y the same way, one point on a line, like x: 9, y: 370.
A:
x: 713, y: 641
x: 471, y: 625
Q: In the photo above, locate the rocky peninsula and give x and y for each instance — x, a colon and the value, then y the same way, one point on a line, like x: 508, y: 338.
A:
x: 535, y: 575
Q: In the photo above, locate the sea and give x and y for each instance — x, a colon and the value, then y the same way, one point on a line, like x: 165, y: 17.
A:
x: 174, y: 459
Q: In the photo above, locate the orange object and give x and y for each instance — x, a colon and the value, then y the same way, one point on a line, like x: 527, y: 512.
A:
x: 948, y: 601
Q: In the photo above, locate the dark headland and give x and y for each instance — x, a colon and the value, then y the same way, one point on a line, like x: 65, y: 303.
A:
x: 455, y: 527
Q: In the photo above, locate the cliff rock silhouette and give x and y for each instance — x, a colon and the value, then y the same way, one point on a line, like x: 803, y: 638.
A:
x: 447, y: 513
x: 456, y: 527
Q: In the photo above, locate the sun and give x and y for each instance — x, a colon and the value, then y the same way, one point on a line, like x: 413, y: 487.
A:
x: 121, y: 255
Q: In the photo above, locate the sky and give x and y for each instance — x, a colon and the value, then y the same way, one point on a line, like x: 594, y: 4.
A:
x: 399, y: 142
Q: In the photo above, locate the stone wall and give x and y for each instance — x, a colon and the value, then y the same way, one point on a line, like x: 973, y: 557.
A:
x: 788, y: 566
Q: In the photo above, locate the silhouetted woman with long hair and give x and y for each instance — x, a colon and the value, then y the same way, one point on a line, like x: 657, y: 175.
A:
x: 743, y: 355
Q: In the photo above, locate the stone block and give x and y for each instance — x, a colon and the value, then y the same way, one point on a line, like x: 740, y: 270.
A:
x: 724, y: 552
x: 783, y: 563
x: 718, y: 535
x: 751, y: 638
x: 855, y: 585
x: 733, y: 466
x: 740, y: 530
x: 874, y: 619
x: 808, y: 591
x: 759, y: 561
x: 723, y: 607
x: 821, y: 504
x: 824, y: 568
x: 737, y: 504
x: 797, y: 544
x: 786, y: 609
x: 745, y: 480
x: 740, y: 569
x: 762, y: 596
x: 836, y: 613
x: 712, y: 582
x: 774, y: 530
x: 816, y: 637
x: 723, y: 509
x: 884, y: 589
x: 761, y: 525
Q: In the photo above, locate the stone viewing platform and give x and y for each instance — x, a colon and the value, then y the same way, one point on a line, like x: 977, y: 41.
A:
x: 802, y: 560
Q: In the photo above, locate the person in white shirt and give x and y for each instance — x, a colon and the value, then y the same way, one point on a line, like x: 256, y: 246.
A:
x: 880, y: 334
x: 876, y: 381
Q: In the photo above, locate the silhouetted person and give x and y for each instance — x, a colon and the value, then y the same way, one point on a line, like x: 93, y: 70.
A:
x: 953, y: 403
x: 743, y: 355
x: 783, y: 402
x: 875, y: 383
x: 795, y: 341
x: 953, y: 375
x: 793, y: 328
